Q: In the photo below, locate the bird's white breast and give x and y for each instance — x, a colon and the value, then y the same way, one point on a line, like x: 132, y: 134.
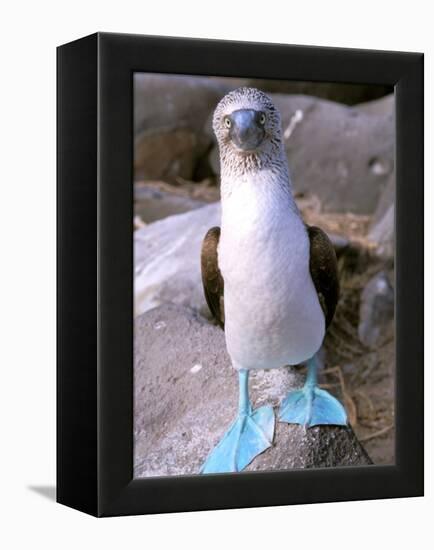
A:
x: 272, y: 312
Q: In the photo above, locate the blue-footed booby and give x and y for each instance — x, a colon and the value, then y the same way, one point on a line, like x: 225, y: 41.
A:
x: 270, y: 281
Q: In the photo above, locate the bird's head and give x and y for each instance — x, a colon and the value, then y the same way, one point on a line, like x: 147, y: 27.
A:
x: 247, y: 125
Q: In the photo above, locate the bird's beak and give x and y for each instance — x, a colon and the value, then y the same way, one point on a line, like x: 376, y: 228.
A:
x: 246, y: 131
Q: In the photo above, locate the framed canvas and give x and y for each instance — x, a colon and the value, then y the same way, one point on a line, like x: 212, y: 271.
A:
x: 146, y: 378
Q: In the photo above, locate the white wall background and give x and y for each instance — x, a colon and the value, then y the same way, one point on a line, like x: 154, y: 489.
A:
x: 30, y: 31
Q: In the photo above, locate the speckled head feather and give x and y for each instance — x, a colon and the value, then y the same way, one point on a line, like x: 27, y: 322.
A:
x: 270, y: 154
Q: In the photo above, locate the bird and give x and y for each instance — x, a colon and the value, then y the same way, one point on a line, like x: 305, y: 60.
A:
x: 270, y: 281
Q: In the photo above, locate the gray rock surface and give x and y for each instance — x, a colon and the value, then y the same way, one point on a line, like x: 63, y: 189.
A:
x: 153, y: 204
x: 185, y: 397
x: 381, y: 106
x: 166, y: 153
x: 376, y: 310
x: 387, y: 199
x: 339, y: 153
x: 163, y: 101
x: 349, y: 94
x: 169, y: 117
x: 382, y: 229
x: 382, y: 233
x: 167, y: 260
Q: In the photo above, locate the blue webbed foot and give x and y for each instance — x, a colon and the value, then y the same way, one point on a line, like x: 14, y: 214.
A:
x: 250, y: 434
x: 312, y: 406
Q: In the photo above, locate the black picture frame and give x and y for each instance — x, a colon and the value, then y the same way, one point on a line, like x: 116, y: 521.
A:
x: 95, y: 274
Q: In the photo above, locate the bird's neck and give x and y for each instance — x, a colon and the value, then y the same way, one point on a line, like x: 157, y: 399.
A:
x: 257, y: 198
x: 234, y: 164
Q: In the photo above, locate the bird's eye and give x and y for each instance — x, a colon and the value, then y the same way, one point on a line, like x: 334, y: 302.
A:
x: 262, y: 119
x: 227, y: 122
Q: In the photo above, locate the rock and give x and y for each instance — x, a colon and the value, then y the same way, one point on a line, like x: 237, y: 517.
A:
x: 167, y: 260
x: 166, y: 153
x: 376, y: 311
x: 185, y: 397
x: 349, y: 94
x: 383, y: 106
x: 164, y: 101
x: 152, y: 204
x: 382, y: 228
x: 169, y: 117
x: 342, y: 154
x: 383, y: 235
x: 386, y: 200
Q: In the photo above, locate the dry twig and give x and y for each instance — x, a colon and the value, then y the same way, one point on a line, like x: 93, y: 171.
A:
x: 376, y: 434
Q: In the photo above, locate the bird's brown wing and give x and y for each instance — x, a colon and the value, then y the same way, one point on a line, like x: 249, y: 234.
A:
x: 211, y: 277
x: 324, y: 271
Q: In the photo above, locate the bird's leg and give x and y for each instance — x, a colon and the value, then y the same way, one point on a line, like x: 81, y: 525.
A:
x: 312, y: 406
x: 250, y: 434
x: 244, y: 405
